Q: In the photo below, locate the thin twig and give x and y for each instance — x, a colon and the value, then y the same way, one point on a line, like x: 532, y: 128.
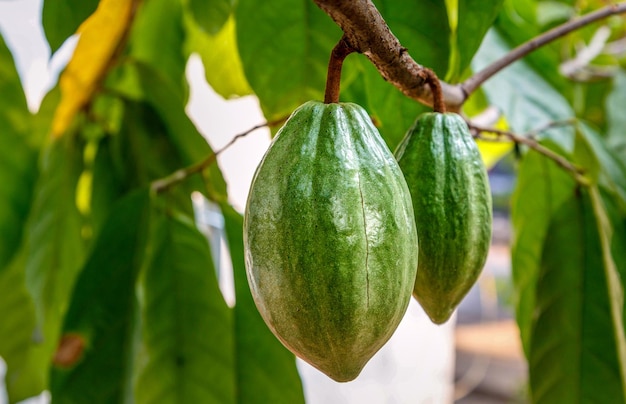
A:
x: 527, y: 140
x: 471, y: 84
x: 163, y: 184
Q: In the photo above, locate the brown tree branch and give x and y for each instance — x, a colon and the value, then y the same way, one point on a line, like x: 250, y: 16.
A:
x: 366, y: 31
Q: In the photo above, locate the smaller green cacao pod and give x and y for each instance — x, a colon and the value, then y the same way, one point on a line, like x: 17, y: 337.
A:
x: 330, y: 238
x: 452, y: 204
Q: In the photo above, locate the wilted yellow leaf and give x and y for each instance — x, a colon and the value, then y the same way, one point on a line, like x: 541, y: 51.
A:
x: 100, y: 37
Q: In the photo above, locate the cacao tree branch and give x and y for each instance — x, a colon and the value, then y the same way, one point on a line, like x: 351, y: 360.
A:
x: 163, y: 184
x: 471, y: 84
x: 366, y: 32
x: 528, y: 140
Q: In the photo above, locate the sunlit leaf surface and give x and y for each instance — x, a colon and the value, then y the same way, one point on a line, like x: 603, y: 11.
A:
x: 100, y: 36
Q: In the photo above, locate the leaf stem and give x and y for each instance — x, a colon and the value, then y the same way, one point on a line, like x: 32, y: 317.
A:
x: 333, y: 78
x: 435, y: 88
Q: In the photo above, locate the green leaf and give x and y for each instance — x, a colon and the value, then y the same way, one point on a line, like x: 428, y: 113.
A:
x: 17, y: 330
x: 585, y: 157
x: 41, y: 123
x: 187, y: 350
x: 574, y: 348
x: 211, y: 15
x: 61, y: 19
x: 220, y: 56
x: 422, y: 27
x: 157, y: 40
x: 20, y: 138
x: 611, y: 168
x: 18, y: 159
x: 13, y: 108
x: 527, y: 101
x: 144, y: 150
x: 285, y: 57
x: 541, y: 188
x: 55, y: 245
x: 186, y: 139
x: 615, y: 288
x: 139, y: 81
x: 616, y: 134
x: 53, y: 250
x: 106, y: 187
x: 519, y: 22
x: 616, y: 233
x: 101, y: 315
x: 553, y: 12
x: 475, y: 17
x: 266, y: 370
x: 523, y: 20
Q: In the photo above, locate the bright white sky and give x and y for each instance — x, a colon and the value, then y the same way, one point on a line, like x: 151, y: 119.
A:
x: 20, y: 27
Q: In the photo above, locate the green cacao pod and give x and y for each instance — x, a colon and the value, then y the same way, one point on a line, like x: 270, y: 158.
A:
x: 452, y: 204
x: 330, y: 238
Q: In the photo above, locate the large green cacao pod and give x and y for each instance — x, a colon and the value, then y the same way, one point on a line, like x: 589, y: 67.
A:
x: 452, y: 204
x: 330, y: 238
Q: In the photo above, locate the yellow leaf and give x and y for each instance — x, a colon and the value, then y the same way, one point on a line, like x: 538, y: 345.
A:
x: 496, y: 148
x: 492, y: 152
x: 100, y: 37
x: 219, y: 54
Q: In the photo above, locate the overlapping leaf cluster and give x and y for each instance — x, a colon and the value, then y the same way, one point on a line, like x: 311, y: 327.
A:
x: 108, y: 292
x: 568, y: 255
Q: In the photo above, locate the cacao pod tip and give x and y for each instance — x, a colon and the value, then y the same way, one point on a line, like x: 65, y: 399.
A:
x: 441, y: 317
